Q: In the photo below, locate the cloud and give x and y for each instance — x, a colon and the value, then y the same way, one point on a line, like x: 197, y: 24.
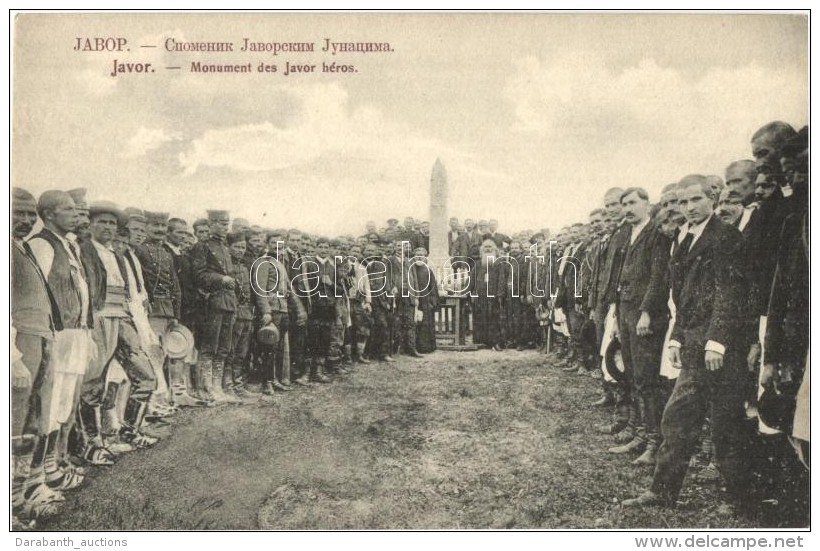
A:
x: 325, y: 128
x: 644, y: 122
x: 148, y: 139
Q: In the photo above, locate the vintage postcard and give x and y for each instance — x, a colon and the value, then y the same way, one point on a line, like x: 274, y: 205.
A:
x: 409, y: 271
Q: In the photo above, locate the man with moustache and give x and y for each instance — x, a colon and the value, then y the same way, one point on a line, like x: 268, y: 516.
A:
x: 213, y: 272
x: 202, y: 230
x: 35, y: 317
x: 643, y: 317
x: 729, y: 208
x: 707, y: 285
x: 116, y: 337
x: 164, y: 291
x: 502, y: 241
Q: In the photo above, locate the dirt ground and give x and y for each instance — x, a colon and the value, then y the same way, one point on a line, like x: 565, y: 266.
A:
x: 454, y: 440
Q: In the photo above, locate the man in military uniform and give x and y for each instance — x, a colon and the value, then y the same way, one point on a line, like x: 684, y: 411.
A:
x: 213, y: 273
x: 164, y: 292
x: 294, y: 261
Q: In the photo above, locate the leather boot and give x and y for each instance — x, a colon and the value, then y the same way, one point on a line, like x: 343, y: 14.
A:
x: 206, y: 377
x: 217, y: 368
x: 226, y: 384
x: 179, y: 386
x: 320, y: 376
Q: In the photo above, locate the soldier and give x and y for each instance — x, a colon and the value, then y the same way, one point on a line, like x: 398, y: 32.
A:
x: 214, y: 276
x: 236, y: 368
x: 276, y: 304
x: 165, y: 299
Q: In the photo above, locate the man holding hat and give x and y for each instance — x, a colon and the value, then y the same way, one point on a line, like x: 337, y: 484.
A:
x: 165, y: 299
x: 213, y: 273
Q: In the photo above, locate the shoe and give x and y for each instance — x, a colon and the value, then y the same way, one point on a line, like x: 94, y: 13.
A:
x: 646, y: 499
x: 612, y: 428
x: 362, y: 360
x: 497, y: 348
x: 140, y: 440
x: 279, y: 386
x: 636, y: 444
x: 319, y: 378
x: 519, y: 348
x: 604, y: 401
x: 118, y: 447
x: 303, y: 381
x: 388, y: 359
x: 98, y: 455
x: 267, y: 388
x: 625, y: 435
x: 648, y: 457
x: 415, y: 354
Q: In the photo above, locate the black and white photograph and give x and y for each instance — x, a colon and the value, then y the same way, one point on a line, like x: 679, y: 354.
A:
x: 417, y: 271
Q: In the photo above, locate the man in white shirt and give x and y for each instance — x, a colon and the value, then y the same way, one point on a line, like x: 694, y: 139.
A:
x: 708, y: 287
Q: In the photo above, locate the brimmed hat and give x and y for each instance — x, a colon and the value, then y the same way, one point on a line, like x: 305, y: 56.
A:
x: 178, y: 341
x: 78, y: 194
x: 156, y: 217
x: 614, y: 362
x: 107, y: 207
x: 776, y: 408
x: 268, y: 335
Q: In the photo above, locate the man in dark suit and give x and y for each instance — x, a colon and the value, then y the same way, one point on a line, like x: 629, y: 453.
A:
x: 708, y: 288
x: 643, y: 317
x: 603, y: 294
x: 452, y: 237
x: 502, y: 241
x: 293, y: 259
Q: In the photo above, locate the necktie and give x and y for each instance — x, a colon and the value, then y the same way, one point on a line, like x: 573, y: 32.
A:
x: 686, y: 244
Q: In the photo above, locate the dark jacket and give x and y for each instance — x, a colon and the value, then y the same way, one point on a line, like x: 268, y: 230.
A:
x: 644, y: 279
x: 708, y: 287
x: 211, y: 261
x: 159, y: 271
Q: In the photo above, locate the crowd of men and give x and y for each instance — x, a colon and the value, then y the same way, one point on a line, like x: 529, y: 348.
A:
x: 122, y: 316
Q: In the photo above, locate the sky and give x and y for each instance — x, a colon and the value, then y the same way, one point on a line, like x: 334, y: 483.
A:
x: 533, y: 116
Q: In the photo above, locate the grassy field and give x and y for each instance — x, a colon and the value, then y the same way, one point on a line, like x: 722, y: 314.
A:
x: 454, y: 440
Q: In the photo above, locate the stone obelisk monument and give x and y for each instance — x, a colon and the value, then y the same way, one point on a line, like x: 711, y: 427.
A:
x: 439, y: 254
